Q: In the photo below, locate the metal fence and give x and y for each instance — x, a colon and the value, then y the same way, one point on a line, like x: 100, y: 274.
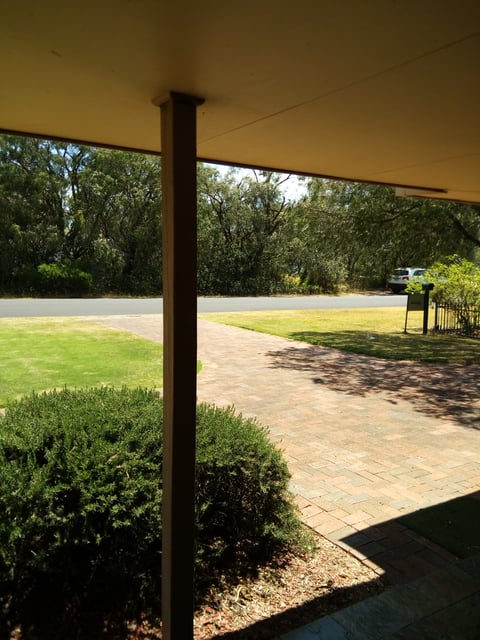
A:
x: 461, y: 320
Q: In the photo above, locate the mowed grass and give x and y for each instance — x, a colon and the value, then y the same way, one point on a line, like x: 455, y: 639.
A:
x: 454, y: 525
x: 374, y: 331
x: 44, y: 354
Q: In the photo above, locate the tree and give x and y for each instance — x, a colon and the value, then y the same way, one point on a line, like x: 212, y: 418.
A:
x: 366, y: 231
x: 78, y: 219
x: 70, y: 213
x: 32, y: 192
x: 466, y: 220
x: 116, y: 221
x: 240, y: 220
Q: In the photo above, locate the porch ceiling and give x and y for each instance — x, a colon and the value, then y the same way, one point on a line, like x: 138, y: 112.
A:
x: 379, y: 90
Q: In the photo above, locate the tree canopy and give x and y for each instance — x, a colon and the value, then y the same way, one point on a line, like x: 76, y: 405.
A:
x: 77, y: 220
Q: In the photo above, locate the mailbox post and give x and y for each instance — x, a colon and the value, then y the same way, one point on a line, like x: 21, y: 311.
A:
x: 419, y: 302
x: 427, y: 287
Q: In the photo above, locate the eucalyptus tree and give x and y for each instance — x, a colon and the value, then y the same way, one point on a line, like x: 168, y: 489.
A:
x: 465, y: 219
x: 35, y: 187
x: 360, y: 232
x: 67, y: 208
x: 71, y: 210
x: 241, y: 218
x: 116, y: 221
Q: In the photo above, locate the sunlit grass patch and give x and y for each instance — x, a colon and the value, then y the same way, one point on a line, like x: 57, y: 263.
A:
x: 372, y: 331
x: 48, y: 353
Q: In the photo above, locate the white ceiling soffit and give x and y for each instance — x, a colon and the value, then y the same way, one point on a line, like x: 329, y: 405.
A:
x: 374, y: 90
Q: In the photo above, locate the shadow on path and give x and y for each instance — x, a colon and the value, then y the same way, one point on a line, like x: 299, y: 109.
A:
x: 443, y: 391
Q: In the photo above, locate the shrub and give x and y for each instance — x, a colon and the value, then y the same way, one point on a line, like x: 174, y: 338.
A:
x: 456, y: 282
x: 80, y: 496
x: 324, y: 274
x: 456, y: 287
x: 244, y: 510
x: 63, y: 278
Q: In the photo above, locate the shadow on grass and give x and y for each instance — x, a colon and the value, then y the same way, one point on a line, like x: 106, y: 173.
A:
x: 439, y: 390
x: 398, y: 346
x: 454, y: 524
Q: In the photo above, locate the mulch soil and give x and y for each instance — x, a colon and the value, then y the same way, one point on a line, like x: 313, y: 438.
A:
x: 281, y: 599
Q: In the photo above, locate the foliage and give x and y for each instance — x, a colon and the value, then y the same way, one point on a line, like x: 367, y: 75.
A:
x: 240, y: 223
x: 360, y: 232
x: 118, y: 221
x: 456, y: 286
x: 100, y: 211
x: 80, y: 495
x: 97, y: 211
x: 63, y: 278
x: 456, y: 282
x: 244, y: 508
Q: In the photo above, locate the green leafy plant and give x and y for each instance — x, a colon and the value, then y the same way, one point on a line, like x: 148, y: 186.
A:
x: 456, y: 286
x: 63, y: 278
x: 245, y: 512
x: 81, y: 495
x: 455, y: 282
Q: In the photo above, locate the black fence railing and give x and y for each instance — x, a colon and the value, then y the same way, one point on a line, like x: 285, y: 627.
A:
x: 458, y: 319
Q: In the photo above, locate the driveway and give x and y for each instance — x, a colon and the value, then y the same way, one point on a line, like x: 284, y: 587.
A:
x: 366, y: 440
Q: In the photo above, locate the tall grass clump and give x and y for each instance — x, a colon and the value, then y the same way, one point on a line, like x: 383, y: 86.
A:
x: 81, y: 497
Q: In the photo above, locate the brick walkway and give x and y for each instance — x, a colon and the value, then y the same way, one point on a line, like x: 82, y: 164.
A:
x: 366, y: 440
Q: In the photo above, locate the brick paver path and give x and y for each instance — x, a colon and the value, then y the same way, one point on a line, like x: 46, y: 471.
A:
x: 366, y: 440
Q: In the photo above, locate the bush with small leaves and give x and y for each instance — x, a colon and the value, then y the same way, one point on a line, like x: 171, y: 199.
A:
x: 244, y: 509
x: 81, y: 496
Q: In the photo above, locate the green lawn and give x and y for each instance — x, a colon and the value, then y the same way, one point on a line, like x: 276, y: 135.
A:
x: 43, y: 354
x: 376, y: 331
x: 454, y: 525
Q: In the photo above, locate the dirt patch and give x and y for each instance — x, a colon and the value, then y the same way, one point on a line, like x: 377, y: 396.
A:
x: 280, y: 600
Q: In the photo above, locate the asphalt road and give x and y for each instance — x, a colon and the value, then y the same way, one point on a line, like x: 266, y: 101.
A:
x: 44, y: 307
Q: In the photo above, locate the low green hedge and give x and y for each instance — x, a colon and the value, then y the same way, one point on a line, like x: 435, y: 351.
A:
x: 80, y: 498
